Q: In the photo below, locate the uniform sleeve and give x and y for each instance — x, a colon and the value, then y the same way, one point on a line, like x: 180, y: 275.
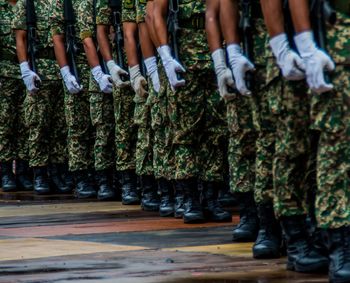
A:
x: 103, y: 13
x: 57, y: 17
x: 19, y: 20
x: 129, y: 11
x: 85, y: 19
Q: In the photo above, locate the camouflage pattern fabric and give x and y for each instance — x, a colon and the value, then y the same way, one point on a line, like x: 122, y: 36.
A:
x: 81, y: 135
x: 330, y: 115
x: 140, y: 10
x: 13, y: 132
x: 101, y: 104
x: 44, y: 110
x: 129, y: 12
x: 124, y: 107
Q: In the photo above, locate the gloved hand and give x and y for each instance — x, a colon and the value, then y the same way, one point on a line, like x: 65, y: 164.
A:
x: 171, y: 66
x: 70, y: 81
x: 152, y: 72
x: 103, y: 80
x: 116, y: 73
x: 29, y: 77
x: 289, y: 61
x: 223, y: 74
x: 138, y: 82
x: 240, y: 65
x: 316, y: 62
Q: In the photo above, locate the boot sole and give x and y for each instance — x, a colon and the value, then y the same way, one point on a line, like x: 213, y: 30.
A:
x: 133, y: 202
x: 312, y: 269
x: 266, y: 254
x: 166, y: 214
x: 149, y: 208
x: 194, y: 220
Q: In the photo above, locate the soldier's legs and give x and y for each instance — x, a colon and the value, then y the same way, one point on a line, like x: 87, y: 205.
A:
x: 102, y: 118
x: 125, y: 143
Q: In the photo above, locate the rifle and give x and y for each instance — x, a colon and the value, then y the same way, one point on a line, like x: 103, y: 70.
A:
x: 247, y: 37
x: 116, y: 7
x: 71, y: 46
x: 173, y: 28
x: 100, y: 58
x: 322, y: 13
x: 32, y: 38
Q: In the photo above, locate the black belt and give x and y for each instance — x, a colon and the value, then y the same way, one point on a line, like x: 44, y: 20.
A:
x: 47, y: 53
x: 195, y: 22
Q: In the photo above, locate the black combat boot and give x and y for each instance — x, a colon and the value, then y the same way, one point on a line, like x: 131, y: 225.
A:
x: 41, y: 181
x: 57, y: 182
x: 84, y: 187
x: 104, y: 180
x: 150, y: 199
x: 23, y: 175
x: 166, y: 190
x: 339, y: 253
x: 179, y: 200
x: 8, y: 179
x: 226, y: 198
x: 67, y: 176
x: 212, y: 208
x: 299, y: 246
x: 268, y: 243
x: 128, y: 180
x: 193, y: 210
x: 248, y: 226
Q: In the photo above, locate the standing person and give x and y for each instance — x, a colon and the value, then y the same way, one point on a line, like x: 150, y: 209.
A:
x: 125, y: 128
x: 194, y: 110
x: 76, y: 98
x: 101, y: 103
x: 135, y: 33
x: 13, y: 131
x: 44, y: 100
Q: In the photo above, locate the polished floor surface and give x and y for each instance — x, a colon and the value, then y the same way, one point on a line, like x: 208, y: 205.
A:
x: 57, y: 239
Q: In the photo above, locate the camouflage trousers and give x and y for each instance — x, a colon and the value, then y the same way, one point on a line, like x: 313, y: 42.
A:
x: 102, y: 118
x: 241, y: 148
x: 163, y: 161
x: 44, y: 117
x: 81, y: 135
x: 13, y: 132
x: 195, y: 116
x: 292, y: 162
x: 264, y: 123
x: 144, y: 145
x: 330, y: 114
x: 125, y: 129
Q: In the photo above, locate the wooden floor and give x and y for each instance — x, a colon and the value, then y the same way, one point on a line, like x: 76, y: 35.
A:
x: 51, y: 239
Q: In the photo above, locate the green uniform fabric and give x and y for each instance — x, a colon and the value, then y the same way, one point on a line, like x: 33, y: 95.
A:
x: 330, y: 114
x: 191, y: 107
x: 13, y: 132
x: 125, y: 133
x: 81, y: 135
x: 134, y: 11
x: 101, y: 104
x: 44, y: 110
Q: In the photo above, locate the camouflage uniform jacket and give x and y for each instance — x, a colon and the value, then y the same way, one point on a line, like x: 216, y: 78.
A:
x: 8, y: 59
x: 47, y: 68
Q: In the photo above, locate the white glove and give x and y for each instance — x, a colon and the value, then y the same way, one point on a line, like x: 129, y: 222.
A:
x: 138, y: 82
x: 291, y: 64
x: 70, y: 81
x: 29, y: 77
x: 171, y: 66
x: 103, y: 80
x: 240, y: 65
x: 316, y: 62
x: 223, y: 74
x: 152, y: 72
x: 116, y: 73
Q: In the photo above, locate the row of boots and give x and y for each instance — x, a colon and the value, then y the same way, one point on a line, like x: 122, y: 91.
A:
x: 316, y: 252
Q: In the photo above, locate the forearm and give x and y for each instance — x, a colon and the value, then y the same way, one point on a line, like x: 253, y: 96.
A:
x: 300, y: 15
x: 212, y: 25
x: 149, y: 22
x: 103, y: 42
x: 160, y: 21
x: 21, y: 45
x: 229, y: 20
x: 91, y: 53
x: 273, y: 15
x: 130, y: 30
x: 60, y: 50
x: 147, y: 46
